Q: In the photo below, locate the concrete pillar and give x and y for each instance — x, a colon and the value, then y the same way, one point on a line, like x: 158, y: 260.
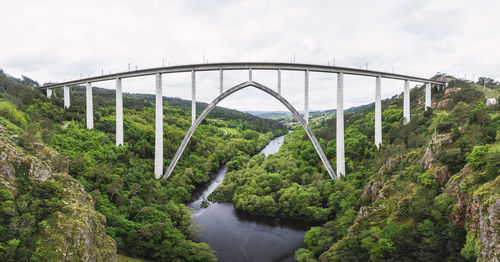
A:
x: 49, y: 92
x: 66, y: 97
x: 340, y: 125
x: 90, y: 107
x: 279, y: 81
x: 221, y: 77
x: 427, y: 95
x: 158, y: 128
x: 119, y: 113
x: 193, y: 96
x: 406, y: 103
x: 250, y: 74
x: 378, y: 112
x: 306, y: 96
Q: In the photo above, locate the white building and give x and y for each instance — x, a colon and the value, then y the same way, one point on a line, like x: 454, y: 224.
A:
x: 491, y: 101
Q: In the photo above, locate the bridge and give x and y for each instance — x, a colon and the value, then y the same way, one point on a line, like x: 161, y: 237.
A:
x: 221, y: 67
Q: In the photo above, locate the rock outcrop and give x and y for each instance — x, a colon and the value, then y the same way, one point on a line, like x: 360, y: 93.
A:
x: 478, y: 211
x: 78, y: 232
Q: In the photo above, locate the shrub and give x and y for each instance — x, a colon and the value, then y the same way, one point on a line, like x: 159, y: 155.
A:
x: 9, y: 111
x: 426, y: 179
x: 453, y: 158
x: 493, y: 163
x: 477, y: 158
x: 469, y: 251
x: 479, y: 115
x: 444, y: 126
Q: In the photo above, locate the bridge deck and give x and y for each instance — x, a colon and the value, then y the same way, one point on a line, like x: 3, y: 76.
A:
x: 244, y: 66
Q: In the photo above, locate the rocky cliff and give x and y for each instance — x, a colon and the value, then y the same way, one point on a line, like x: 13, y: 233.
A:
x: 392, y: 194
x: 479, y: 211
x: 72, y: 230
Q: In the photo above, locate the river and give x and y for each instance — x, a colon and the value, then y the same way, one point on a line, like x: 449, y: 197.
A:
x: 237, y: 236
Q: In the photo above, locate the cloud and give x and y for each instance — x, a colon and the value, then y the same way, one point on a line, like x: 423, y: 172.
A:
x: 55, y: 40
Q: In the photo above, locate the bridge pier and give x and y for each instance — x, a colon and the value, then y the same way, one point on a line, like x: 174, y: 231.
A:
x: 221, y: 78
x: 193, y: 96
x: 158, y: 128
x: 406, y: 103
x: 340, y: 125
x: 49, y: 92
x: 427, y: 95
x: 66, y: 97
x: 119, y: 113
x: 306, y: 96
x: 378, y: 112
x: 90, y: 107
x: 279, y: 81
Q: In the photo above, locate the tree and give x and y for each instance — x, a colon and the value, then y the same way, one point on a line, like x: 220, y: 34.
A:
x: 115, y: 187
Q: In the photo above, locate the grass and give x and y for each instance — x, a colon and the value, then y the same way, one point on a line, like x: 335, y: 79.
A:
x: 489, y: 92
x: 10, y: 126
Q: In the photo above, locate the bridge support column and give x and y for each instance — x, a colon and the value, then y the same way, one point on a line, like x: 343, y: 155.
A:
x: 119, y: 113
x: 306, y: 96
x: 221, y: 78
x: 158, y: 128
x: 66, y: 97
x: 406, y: 103
x: 427, y: 95
x: 193, y: 96
x: 340, y: 125
x: 90, y: 107
x: 279, y: 81
x: 378, y: 112
x: 49, y: 92
x: 250, y: 74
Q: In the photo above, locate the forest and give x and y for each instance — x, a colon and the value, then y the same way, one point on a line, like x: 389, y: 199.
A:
x: 392, y: 205
x: 146, y: 217
x: 417, y: 198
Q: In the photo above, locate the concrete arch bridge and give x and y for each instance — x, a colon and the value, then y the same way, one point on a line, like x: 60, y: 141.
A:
x: 221, y: 67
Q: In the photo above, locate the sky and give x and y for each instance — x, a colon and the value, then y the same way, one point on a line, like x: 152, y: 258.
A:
x: 61, y: 40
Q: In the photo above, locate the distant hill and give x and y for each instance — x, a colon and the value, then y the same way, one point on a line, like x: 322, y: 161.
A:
x: 284, y: 114
x: 269, y: 114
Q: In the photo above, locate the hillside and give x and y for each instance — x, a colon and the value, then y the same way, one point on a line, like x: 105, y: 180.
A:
x: 93, y: 199
x: 430, y: 193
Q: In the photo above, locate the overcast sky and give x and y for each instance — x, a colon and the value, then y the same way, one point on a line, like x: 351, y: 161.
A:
x: 59, y: 40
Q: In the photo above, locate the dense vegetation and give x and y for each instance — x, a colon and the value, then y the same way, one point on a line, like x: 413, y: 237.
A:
x: 411, y: 218
x: 145, y: 216
x: 397, y: 203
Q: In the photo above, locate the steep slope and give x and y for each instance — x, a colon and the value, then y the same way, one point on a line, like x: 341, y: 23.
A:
x: 422, y: 202
x: 146, y: 217
x: 430, y: 193
x: 45, y: 215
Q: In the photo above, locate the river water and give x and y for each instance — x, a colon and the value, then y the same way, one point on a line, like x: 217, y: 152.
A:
x: 237, y: 236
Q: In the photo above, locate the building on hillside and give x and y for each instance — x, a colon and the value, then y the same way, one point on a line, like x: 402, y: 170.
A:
x: 491, y: 101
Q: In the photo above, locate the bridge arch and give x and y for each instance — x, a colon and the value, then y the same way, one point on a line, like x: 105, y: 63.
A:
x: 227, y: 93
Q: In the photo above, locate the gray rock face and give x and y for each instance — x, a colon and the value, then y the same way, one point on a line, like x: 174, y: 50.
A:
x: 78, y: 233
x: 479, y: 211
x: 489, y: 231
x: 431, y: 152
